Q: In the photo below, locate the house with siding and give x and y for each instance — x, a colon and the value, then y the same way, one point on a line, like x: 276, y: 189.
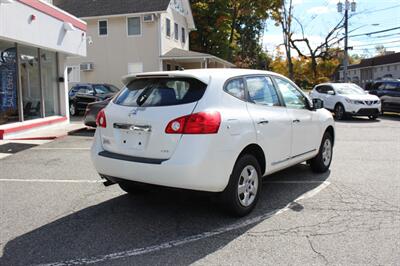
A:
x: 133, y: 36
x: 375, y: 68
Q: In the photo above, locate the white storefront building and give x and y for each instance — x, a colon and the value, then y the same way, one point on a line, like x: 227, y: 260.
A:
x: 35, y: 39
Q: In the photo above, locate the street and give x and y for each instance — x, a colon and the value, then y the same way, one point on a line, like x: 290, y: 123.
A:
x: 55, y: 210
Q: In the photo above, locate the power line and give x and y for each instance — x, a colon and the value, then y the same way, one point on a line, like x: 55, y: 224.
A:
x: 374, y: 11
x: 393, y: 35
x: 375, y: 43
x: 373, y: 39
x: 375, y: 32
x: 373, y: 48
x: 387, y: 35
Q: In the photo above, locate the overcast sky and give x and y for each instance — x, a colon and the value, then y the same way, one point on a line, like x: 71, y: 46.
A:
x: 319, y: 16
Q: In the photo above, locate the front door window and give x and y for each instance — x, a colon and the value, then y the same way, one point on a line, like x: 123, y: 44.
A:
x: 292, y: 97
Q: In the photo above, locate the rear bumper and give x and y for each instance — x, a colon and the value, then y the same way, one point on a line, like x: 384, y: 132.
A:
x: 197, y: 168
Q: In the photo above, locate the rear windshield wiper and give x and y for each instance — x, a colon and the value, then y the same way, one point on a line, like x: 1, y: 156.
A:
x: 144, y: 96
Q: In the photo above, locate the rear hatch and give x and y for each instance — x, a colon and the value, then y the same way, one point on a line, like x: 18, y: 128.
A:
x: 138, y: 116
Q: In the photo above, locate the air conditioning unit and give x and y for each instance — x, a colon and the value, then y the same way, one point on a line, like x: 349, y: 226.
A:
x: 87, y: 67
x: 148, y: 18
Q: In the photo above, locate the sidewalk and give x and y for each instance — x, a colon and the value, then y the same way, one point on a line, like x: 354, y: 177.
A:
x: 47, y: 132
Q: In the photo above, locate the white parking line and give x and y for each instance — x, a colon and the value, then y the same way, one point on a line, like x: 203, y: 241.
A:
x: 52, y: 180
x: 102, y: 181
x: 190, y: 239
x: 294, y: 182
x: 83, y: 149
x: 4, y: 155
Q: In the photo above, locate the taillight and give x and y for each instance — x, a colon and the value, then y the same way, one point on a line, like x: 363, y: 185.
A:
x: 101, y: 119
x: 199, y: 123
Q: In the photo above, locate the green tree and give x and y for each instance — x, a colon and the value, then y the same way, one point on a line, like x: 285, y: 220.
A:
x: 232, y: 29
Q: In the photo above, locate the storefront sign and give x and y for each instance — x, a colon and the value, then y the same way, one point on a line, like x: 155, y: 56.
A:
x: 8, y: 81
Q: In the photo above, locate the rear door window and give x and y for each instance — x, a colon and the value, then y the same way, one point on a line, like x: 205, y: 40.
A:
x: 235, y: 87
x: 102, y: 89
x: 84, y: 90
x: 149, y: 92
x: 392, y: 86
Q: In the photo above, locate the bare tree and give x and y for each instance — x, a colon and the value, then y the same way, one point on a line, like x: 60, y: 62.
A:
x: 323, y: 50
x: 284, y: 17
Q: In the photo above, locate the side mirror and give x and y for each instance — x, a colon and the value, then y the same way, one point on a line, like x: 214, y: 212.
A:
x: 318, y: 104
x: 331, y: 92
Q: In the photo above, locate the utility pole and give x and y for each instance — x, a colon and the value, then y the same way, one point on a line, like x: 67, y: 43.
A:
x: 347, y: 7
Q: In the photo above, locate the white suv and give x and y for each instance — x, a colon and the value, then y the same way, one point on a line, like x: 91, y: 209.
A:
x: 347, y: 99
x: 215, y: 130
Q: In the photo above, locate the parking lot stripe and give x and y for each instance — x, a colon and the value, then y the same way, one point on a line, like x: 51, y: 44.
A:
x: 52, y: 180
x: 83, y: 149
x: 4, y: 155
x: 295, y: 182
x: 190, y: 239
x: 102, y: 181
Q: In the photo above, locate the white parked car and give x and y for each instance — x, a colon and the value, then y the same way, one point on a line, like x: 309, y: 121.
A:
x: 215, y: 130
x: 347, y: 99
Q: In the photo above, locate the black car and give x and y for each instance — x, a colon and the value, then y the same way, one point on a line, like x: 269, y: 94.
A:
x: 82, y: 94
x: 389, y: 93
x: 92, y: 110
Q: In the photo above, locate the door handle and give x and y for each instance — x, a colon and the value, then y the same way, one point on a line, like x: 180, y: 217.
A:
x: 263, y: 122
x: 296, y: 121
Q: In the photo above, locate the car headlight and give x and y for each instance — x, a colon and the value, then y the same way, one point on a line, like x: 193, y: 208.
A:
x: 350, y: 101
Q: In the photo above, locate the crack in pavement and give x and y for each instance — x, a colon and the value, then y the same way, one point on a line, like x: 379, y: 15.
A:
x: 315, y: 251
x: 351, y: 210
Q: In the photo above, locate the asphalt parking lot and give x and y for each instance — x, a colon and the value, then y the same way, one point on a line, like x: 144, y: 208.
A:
x: 55, y: 211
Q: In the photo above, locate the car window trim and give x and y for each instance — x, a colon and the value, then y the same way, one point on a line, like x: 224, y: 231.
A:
x: 232, y: 79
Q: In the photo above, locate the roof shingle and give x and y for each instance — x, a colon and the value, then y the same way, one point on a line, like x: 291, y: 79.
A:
x: 380, y: 60
x: 94, y: 8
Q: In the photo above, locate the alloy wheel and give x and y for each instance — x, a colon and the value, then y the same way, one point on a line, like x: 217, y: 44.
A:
x: 339, y: 112
x: 247, y: 186
x: 327, y: 152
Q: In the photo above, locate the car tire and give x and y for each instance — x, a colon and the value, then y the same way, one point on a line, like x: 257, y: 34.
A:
x: 322, y: 162
x: 133, y: 188
x: 72, y: 109
x: 372, y: 117
x: 244, y: 187
x: 340, y: 112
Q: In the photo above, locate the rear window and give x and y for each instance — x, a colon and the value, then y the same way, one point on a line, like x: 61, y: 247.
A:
x: 104, y: 89
x: 161, y: 92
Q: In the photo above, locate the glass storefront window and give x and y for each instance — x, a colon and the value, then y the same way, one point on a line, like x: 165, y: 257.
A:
x: 38, y: 83
x: 30, y: 82
x: 8, y: 83
x: 49, y: 82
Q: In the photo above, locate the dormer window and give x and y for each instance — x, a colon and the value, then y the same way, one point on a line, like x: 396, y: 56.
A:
x: 168, y: 27
x: 176, y: 31
x: 103, y: 27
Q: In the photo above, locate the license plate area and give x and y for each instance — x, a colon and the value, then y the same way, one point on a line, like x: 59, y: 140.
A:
x: 134, y: 140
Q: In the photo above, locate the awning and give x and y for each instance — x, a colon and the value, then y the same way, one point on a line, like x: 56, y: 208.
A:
x: 185, y: 55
